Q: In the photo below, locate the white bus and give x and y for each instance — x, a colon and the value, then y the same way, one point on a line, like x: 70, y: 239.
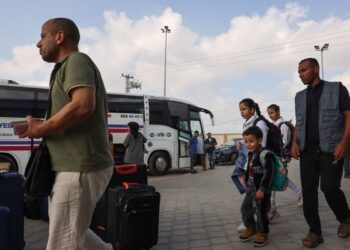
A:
x: 167, y: 123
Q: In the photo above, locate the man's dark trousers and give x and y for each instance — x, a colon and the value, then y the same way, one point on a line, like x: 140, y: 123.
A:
x: 313, y: 166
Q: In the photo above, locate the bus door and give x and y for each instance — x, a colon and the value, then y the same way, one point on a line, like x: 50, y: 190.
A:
x: 196, y: 122
x: 183, y: 139
x: 180, y: 118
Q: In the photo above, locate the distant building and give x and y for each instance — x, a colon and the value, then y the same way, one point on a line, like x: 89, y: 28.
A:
x: 221, y: 138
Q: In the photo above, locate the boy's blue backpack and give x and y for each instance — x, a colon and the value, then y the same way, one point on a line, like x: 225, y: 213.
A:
x: 286, y: 153
x: 280, y: 172
x: 274, y: 137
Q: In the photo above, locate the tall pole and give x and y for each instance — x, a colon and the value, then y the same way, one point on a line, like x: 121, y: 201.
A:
x: 166, y: 30
x: 322, y: 64
x: 323, y: 48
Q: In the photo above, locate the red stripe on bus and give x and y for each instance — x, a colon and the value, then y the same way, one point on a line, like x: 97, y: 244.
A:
x: 15, y: 148
x: 118, y: 130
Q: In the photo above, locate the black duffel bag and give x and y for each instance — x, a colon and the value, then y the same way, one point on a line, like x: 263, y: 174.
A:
x: 39, y: 175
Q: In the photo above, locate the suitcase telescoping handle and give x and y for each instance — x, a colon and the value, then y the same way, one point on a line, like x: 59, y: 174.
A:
x: 126, y: 169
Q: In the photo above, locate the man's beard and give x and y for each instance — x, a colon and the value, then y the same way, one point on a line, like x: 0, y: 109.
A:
x: 309, y: 83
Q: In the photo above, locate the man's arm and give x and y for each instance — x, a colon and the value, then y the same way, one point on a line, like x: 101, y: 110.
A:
x: 295, y: 147
x: 81, y: 106
x: 342, y: 147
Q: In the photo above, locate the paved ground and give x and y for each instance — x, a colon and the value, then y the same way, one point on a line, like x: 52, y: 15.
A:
x: 202, y: 212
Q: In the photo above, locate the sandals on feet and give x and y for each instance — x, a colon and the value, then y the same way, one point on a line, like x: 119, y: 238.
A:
x: 312, y: 240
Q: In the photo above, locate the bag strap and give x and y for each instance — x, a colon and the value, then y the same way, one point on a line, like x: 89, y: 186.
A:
x: 257, y: 120
x: 48, y: 111
x: 262, y: 155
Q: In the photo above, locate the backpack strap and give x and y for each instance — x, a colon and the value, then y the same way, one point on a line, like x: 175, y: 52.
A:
x: 262, y: 155
x: 284, y: 122
x: 262, y: 118
x: 257, y: 120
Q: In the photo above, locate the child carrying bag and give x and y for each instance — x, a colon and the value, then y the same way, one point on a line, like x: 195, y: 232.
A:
x: 280, y: 175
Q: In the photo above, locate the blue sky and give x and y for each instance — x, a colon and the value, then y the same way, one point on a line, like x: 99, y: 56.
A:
x: 218, y: 51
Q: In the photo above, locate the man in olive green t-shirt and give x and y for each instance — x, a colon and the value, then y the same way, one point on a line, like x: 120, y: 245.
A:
x: 76, y: 135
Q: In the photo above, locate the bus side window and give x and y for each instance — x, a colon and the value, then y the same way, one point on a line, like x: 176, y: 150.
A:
x: 16, y: 108
x: 159, y: 113
x: 40, y: 109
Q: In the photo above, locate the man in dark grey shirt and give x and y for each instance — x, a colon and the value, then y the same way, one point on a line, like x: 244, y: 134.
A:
x: 321, y: 139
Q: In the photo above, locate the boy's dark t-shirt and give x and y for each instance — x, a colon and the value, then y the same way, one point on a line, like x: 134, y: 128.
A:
x: 262, y: 175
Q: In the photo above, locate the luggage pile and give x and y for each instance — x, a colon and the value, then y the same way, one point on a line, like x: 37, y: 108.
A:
x: 127, y: 215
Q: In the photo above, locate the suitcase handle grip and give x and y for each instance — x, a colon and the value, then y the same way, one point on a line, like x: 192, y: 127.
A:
x: 126, y: 169
x: 126, y: 185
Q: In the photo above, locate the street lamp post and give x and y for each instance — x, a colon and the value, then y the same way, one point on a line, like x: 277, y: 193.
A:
x: 166, y: 30
x: 324, y: 47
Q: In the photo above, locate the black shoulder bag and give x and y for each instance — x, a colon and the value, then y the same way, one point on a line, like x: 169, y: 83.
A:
x: 39, y: 175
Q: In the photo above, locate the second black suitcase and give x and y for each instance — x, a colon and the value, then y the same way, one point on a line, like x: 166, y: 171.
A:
x: 12, y: 196
x: 5, y: 228
x: 133, y: 217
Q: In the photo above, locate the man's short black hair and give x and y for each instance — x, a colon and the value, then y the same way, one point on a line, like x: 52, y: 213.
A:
x: 69, y: 28
x: 254, y: 130
x: 311, y: 60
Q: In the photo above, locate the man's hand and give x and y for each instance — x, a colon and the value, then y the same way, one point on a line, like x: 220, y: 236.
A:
x: 33, y: 130
x: 340, y: 151
x: 294, y: 151
x: 260, y: 195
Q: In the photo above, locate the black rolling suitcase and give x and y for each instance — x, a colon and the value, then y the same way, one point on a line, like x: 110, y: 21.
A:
x: 12, y: 196
x: 133, y: 173
x: 133, y: 217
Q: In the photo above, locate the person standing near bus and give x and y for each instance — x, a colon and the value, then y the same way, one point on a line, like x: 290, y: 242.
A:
x: 192, y: 148
x: 76, y: 135
x: 210, y: 143
x: 201, y: 152
x: 134, y: 145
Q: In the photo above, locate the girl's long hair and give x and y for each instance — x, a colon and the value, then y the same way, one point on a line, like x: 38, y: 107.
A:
x: 251, y: 104
x: 134, y: 129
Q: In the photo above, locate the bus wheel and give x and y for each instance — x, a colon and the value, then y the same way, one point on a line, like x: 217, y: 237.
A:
x: 159, y: 163
x: 7, y: 159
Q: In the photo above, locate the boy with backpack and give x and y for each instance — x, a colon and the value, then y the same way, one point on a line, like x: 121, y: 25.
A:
x: 287, y: 130
x: 258, y: 178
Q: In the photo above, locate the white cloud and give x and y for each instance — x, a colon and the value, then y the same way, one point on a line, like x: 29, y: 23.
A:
x: 344, y: 78
x: 25, y: 65
x: 213, y: 72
